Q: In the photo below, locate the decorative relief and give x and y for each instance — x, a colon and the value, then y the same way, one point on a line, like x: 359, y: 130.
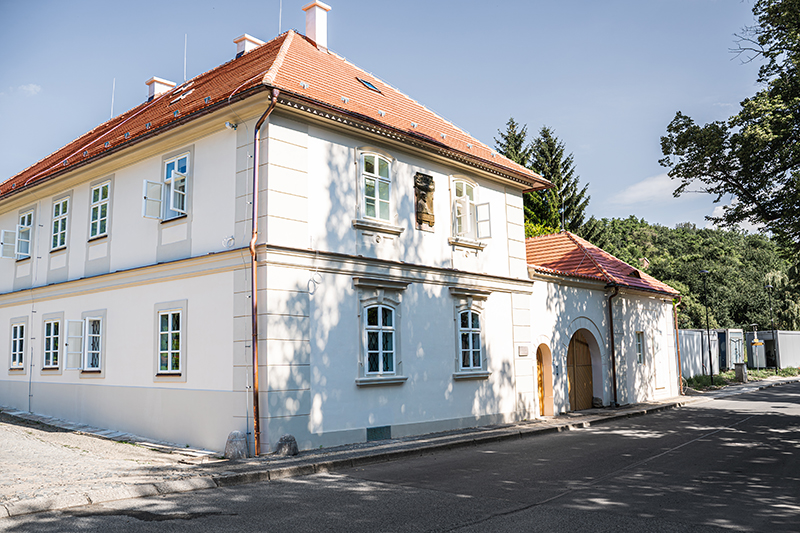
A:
x: 423, y: 192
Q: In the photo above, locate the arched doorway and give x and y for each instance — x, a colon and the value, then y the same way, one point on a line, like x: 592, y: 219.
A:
x: 579, y: 373
x: 544, y: 380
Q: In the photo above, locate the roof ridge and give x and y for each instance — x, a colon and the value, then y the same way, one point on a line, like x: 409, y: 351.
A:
x: 272, y: 72
x: 609, y: 277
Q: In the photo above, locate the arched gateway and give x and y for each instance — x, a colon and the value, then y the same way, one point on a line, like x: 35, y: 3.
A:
x: 579, y: 373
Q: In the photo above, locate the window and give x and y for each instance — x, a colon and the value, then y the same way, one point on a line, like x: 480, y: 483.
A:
x: 60, y: 212
x: 24, y: 235
x: 169, y: 341
x: 17, y: 345
x: 92, y: 343
x: 168, y: 200
x: 470, y: 336
x: 470, y: 219
x: 376, y: 183
x: 98, y: 225
x: 52, y: 336
x: 640, y: 347
x: 379, y: 331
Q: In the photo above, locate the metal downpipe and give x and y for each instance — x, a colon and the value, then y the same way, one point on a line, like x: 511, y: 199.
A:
x: 677, y: 341
x: 611, y: 343
x: 254, y: 271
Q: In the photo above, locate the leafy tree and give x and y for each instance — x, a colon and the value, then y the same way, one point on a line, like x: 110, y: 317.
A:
x: 548, y: 159
x: 739, y: 265
x: 754, y: 155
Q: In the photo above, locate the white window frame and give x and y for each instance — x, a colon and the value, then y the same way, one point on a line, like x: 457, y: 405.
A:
x: 88, y: 337
x: 24, y: 234
x: 379, y: 181
x: 169, y: 351
x: 51, y: 345
x: 98, y: 222
x: 73, y: 344
x: 640, y: 347
x: 168, y: 199
x: 471, y: 333
x: 8, y: 244
x: 472, y: 300
x: 471, y: 219
x: 18, y: 343
x: 380, y: 331
x: 60, y: 223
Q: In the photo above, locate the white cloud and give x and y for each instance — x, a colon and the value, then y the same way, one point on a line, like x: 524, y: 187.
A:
x: 30, y: 89
x: 653, y: 189
x: 747, y: 226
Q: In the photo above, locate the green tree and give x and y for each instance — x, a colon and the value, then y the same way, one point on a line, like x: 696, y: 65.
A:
x: 513, y: 143
x: 754, y: 156
x: 548, y: 159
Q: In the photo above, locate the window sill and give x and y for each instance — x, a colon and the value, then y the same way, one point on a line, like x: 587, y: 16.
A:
x: 378, y: 381
x: 16, y: 369
x: 50, y: 368
x: 59, y: 249
x: 91, y: 371
x: 380, y: 227
x: 467, y: 243
x: 168, y: 375
x: 23, y: 259
x: 173, y: 219
x: 98, y: 238
x: 471, y: 374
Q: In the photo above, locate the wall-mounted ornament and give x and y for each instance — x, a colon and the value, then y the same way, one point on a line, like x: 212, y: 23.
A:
x: 423, y: 192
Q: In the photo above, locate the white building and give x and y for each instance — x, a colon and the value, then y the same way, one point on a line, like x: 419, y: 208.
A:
x: 392, y: 294
x: 604, y: 331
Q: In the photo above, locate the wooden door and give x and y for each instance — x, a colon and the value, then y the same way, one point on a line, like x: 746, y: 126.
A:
x: 540, y: 379
x: 579, y: 373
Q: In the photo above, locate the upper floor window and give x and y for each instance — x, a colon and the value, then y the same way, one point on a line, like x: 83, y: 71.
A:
x: 169, y: 199
x: 99, y: 210
x: 60, y: 213
x: 377, y: 185
x: 470, y: 219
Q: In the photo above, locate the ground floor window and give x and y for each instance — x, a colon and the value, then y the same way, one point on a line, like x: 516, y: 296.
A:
x: 93, y: 343
x: 169, y: 341
x: 470, y: 336
x: 17, y: 345
x: 52, y: 336
x: 380, y: 342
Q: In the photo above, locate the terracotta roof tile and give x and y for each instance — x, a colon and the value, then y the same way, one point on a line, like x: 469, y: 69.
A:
x: 569, y: 255
x: 293, y: 64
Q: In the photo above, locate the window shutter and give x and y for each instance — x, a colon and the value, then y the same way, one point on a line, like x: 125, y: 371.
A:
x: 483, y: 225
x: 463, y: 214
x: 153, y: 194
x: 177, y: 192
x: 8, y: 244
x: 74, y: 344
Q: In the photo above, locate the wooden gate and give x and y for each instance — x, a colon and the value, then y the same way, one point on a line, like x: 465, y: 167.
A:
x: 540, y: 374
x: 579, y: 373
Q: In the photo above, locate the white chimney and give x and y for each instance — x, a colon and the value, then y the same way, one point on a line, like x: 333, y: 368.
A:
x: 156, y: 86
x: 245, y: 43
x: 317, y: 22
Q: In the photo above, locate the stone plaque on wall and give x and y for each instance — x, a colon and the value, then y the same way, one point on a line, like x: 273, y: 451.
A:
x: 423, y: 192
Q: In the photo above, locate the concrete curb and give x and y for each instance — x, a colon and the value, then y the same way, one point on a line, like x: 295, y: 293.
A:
x: 358, y: 458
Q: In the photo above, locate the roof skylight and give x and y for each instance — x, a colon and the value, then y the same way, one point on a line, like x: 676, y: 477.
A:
x: 370, y: 86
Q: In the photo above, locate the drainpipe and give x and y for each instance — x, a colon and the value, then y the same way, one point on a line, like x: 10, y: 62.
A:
x: 611, y: 343
x: 254, y: 271
x: 677, y: 341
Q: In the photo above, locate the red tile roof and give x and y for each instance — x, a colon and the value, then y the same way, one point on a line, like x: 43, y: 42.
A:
x: 303, y: 73
x: 566, y: 254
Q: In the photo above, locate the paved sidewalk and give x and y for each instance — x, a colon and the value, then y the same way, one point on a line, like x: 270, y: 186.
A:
x: 50, y: 464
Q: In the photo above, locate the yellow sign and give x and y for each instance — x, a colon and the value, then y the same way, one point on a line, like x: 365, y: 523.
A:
x: 756, y: 343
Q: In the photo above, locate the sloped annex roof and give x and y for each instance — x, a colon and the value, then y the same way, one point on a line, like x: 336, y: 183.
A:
x: 309, y: 78
x: 566, y: 254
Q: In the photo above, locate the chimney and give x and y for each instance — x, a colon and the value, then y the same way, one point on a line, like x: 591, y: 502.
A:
x: 156, y: 86
x: 245, y: 43
x: 317, y: 23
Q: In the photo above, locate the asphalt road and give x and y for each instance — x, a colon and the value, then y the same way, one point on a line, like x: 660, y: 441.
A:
x: 725, y: 464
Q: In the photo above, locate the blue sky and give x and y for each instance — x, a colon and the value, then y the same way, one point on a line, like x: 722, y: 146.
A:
x: 606, y: 75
